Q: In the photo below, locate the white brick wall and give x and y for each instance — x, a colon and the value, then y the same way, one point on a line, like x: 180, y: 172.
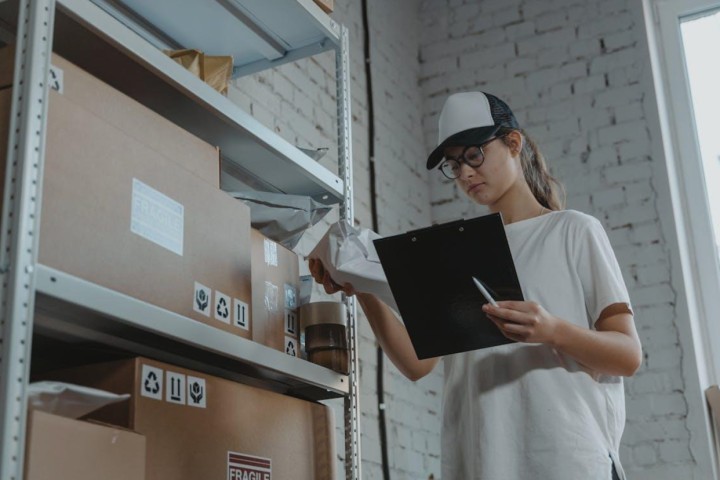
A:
x: 575, y: 73
x: 297, y: 101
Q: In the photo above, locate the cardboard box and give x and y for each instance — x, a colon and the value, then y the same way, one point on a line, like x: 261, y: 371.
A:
x: 60, y: 448
x: 120, y: 209
x: 326, y: 5
x: 203, y: 427
x: 133, y: 119
x: 275, y: 286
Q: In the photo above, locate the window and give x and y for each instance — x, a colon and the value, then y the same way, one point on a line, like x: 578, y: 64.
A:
x: 700, y: 41
x: 684, y: 37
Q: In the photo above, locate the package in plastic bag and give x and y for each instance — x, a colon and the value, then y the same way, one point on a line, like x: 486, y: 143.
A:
x: 282, y: 218
x: 69, y: 400
x: 349, y: 256
x: 215, y: 70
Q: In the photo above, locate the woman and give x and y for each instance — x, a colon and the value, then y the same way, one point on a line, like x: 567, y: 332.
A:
x: 550, y: 406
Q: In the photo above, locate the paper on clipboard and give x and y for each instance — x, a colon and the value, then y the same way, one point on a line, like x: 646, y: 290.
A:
x: 349, y: 255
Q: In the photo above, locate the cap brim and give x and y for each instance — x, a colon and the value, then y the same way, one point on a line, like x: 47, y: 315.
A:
x: 472, y: 136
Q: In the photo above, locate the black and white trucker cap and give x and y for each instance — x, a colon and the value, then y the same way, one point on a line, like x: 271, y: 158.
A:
x: 470, y: 118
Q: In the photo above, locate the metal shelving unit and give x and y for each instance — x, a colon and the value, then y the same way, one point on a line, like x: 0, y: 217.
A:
x: 105, y: 37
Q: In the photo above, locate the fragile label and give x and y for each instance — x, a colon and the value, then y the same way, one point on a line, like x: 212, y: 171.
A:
x: 201, y: 300
x: 175, y: 387
x: 241, y: 317
x: 196, y: 392
x: 271, y: 253
x: 222, y: 307
x: 248, y: 467
x: 157, y: 217
x: 151, y: 382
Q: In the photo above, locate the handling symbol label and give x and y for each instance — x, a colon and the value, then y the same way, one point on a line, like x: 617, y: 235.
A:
x: 241, y: 318
x: 222, y: 307
x: 201, y: 300
x: 175, y: 388
x: 151, y: 382
x: 196, y: 393
x: 291, y: 346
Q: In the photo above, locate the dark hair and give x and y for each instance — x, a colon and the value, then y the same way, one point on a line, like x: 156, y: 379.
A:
x: 546, y: 188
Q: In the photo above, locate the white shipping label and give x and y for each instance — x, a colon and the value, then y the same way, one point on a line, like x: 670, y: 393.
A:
x: 196, y: 392
x: 157, y: 217
x: 271, y: 253
x: 291, y: 346
x: 291, y: 323
x: 151, y: 382
x: 290, y: 296
x: 271, y: 297
x: 202, y: 299
x: 241, y: 314
x: 222, y: 307
x: 248, y: 467
x: 56, y: 79
x: 175, y: 387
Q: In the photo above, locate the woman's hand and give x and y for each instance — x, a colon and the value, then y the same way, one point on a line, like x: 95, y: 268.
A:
x: 321, y: 276
x: 523, y: 321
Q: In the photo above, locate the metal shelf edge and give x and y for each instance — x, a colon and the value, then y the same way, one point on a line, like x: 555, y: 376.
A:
x: 197, y: 91
x: 127, y: 312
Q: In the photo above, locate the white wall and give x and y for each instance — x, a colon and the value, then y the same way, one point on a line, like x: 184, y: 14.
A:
x: 577, y: 74
x: 297, y: 101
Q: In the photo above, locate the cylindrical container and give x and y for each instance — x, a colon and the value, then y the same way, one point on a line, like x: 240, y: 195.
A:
x: 325, y: 334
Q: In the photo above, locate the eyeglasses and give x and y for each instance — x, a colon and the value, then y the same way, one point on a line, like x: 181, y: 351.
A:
x: 472, y: 155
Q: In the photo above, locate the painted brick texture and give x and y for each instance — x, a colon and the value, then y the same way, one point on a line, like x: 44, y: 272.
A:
x: 298, y: 102
x: 574, y: 72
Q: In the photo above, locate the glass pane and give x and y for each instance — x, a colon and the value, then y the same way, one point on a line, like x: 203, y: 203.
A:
x: 701, y: 41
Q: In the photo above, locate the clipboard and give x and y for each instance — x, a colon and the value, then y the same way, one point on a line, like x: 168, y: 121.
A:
x: 430, y: 275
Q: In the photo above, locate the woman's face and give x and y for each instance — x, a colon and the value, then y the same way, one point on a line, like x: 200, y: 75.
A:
x: 499, y: 172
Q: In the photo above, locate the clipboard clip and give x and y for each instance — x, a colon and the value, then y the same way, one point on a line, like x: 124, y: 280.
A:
x: 436, y: 227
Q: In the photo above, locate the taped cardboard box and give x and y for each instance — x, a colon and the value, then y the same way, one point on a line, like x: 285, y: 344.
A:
x: 200, y: 426
x: 215, y: 70
x: 60, y: 448
x: 275, y: 285
x: 120, y: 210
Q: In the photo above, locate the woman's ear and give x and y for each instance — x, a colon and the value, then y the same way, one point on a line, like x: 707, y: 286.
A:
x: 514, y: 142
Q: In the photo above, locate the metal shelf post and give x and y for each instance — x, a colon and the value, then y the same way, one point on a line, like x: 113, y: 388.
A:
x: 352, y: 400
x: 20, y: 220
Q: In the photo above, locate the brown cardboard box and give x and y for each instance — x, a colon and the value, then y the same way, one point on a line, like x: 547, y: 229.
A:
x: 326, y: 5
x: 98, y: 99
x: 119, y: 210
x: 61, y: 448
x: 275, y: 286
x: 203, y: 427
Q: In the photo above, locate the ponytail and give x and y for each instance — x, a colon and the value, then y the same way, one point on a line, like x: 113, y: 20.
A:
x: 548, y: 191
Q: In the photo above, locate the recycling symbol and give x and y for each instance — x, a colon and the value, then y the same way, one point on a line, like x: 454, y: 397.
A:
x: 290, y: 349
x: 151, y: 383
x: 196, y: 392
x: 222, y: 308
x: 201, y: 298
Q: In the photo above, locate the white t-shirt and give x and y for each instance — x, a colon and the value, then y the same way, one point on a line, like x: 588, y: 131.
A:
x: 526, y: 411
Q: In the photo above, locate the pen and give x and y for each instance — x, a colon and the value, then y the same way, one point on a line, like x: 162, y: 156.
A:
x: 484, y: 292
